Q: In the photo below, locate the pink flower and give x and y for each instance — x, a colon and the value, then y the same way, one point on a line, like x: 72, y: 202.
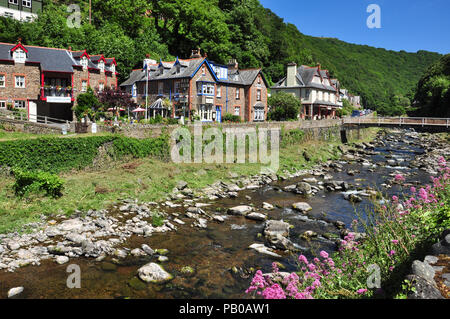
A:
x: 303, y: 259
x: 399, y: 178
x: 391, y: 253
x: 361, y: 291
x: 395, y: 198
x: 395, y: 241
x: 413, y: 189
x: 324, y: 254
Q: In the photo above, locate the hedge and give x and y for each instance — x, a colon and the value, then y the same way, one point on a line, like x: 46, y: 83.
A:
x: 53, y: 154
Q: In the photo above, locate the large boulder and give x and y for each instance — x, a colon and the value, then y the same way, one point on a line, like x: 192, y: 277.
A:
x: 153, y: 273
x: 304, y: 188
x: 264, y: 250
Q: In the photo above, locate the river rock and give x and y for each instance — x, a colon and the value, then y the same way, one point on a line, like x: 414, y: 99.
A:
x: 62, y: 259
x: 121, y: 253
x: 256, y: 216
x: 280, y: 242
x: 147, y: 249
x: 274, y: 227
x: 307, y: 235
x: 15, y: 291
x: 153, y: 273
x: 423, y: 270
x: 13, y: 246
x: 267, y: 206
x: 261, y: 248
x: 302, y: 207
x: 181, y: 185
x: 423, y: 289
x: 304, y: 188
x: 138, y: 252
x: 71, y: 225
x: 240, y: 210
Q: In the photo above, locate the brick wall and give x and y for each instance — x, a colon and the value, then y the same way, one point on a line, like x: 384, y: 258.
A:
x: 32, y: 82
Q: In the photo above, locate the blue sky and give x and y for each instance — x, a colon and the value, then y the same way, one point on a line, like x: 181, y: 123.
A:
x: 409, y: 25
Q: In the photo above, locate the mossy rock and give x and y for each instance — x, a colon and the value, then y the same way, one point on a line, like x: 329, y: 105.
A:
x: 162, y: 251
x: 187, y: 271
x: 331, y: 236
x: 137, y: 284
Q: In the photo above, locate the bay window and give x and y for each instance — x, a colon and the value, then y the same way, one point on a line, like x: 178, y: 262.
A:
x: 206, y: 112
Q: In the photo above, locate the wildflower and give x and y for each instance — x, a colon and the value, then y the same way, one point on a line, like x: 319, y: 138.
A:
x: 361, y: 291
x: 413, y: 189
x: 324, y: 254
x: 394, y: 241
x: 399, y: 178
x: 395, y: 198
x: 391, y: 253
x: 303, y: 259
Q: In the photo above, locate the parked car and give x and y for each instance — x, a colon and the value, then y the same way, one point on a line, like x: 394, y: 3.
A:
x: 357, y: 113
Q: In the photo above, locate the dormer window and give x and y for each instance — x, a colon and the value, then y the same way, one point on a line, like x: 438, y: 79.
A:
x: 19, y: 56
x: 178, y: 68
x: 113, y: 68
x: 84, y: 62
x: 101, y: 66
x: 161, y: 70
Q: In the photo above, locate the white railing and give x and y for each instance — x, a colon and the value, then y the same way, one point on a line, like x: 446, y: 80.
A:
x: 398, y: 121
x: 19, y: 116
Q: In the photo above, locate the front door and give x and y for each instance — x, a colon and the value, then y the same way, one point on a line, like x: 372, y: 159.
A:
x: 218, y: 114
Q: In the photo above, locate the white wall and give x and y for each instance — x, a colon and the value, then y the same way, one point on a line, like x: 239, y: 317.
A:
x: 18, y: 15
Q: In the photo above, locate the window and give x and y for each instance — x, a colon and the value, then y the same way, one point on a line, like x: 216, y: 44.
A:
x: 205, y: 88
x: 19, y: 104
x: 84, y: 86
x: 160, y: 88
x: 113, y: 68
x: 101, y: 87
x: 206, y: 112
x: 2, y: 80
x: 26, y: 3
x: 8, y: 15
x: 238, y: 93
x: 237, y: 110
x: 259, y: 114
x: 19, y: 56
x: 84, y: 62
x: 16, y: 2
x: 219, y: 91
x: 176, y: 87
x: 20, y: 81
x: 2, y: 104
x: 258, y: 95
x: 203, y: 70
x: 101, y: 66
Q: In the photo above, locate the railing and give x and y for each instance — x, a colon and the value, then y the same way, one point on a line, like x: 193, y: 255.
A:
x: 19, y: 116
x: 398, y: 121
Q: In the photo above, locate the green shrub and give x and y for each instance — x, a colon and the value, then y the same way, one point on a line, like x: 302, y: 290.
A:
x: 52, y: 154
x: 35, y: 182
x: 231, y: 118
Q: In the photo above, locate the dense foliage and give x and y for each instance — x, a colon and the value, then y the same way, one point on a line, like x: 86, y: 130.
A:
x: 63, y: 154
x: 283, y: 107
x: 34, y: 182
x: 241, y: 29
x: 231, y: 118
x: 433, y: 90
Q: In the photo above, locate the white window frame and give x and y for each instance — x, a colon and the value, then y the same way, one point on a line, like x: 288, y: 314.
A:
x: 237, y: 110
x: 176, y: 87
x: 19, y: 82
x: 101, y: 66
x: 238, y: 94
x: 113, y: 68
x: 101, y: 86
x: 19, y: 56
x: 8, y: 14
x: 84, y: 85
x: 3, y: 77
x: 15, y: 2
x: 258, y: 95
x: 2, y: 104
x: 26, y: 3
x: 206, y: 112
x: 20, y: 102
x: 84, y: 62
x: 219, y: 91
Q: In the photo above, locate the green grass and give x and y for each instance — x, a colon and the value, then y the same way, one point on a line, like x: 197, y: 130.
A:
x: 146, y: 179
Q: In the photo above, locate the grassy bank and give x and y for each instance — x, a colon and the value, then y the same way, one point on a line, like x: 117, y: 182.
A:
x: 145, y: 178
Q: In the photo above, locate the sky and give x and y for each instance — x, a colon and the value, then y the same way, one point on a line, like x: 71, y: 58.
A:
x: 408, y: 25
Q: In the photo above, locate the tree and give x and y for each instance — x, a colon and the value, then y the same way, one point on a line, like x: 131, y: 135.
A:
x: 284, y: 107
x: 87, y: 104
x: 115, y: 99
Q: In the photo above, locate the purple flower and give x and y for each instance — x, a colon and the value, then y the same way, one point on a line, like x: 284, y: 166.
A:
x: 303, y: 259
x: 324, y: 254
x: 361, y: 291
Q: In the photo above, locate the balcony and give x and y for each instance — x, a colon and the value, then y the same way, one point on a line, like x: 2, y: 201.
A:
x: 57, y: 94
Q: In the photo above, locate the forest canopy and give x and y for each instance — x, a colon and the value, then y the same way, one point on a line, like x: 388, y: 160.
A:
x: 224, y: 29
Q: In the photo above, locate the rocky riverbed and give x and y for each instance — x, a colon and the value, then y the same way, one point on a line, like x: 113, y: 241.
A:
x: 206, y: 243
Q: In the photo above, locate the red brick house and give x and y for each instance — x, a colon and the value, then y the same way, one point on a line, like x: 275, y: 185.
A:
x: 46, y: 81
x: 201, y: 88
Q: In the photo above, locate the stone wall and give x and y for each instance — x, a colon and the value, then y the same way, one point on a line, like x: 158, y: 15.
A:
x: 28, y: 127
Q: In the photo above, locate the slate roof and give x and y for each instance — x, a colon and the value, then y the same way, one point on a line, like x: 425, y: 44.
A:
x: 135, y: 76
x: 305, y: 76
x: 50, y: 59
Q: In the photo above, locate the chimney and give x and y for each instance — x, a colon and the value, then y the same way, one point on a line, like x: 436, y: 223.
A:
x: 148, y: 61
x: 70, y: 48
x: 233, y: 65
x: 291, y: 74
x: 318, y: 66
x: 196, y: 54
